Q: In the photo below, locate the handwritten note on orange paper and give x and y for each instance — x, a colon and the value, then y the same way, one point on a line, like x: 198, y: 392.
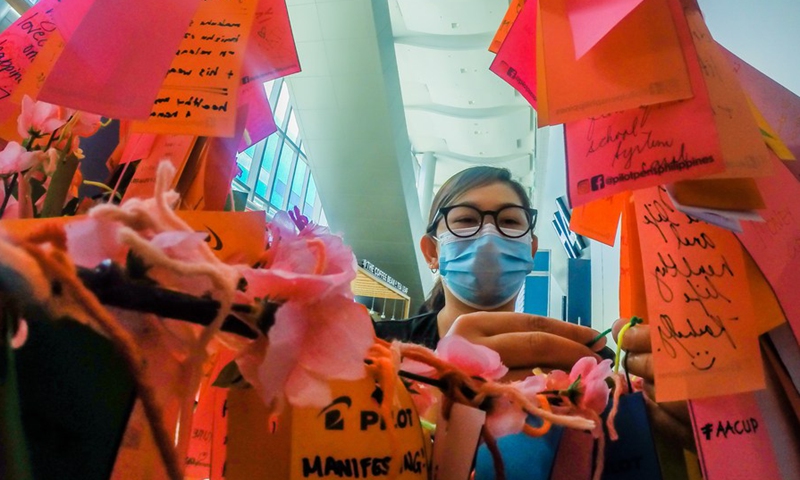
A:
x: 591, y: 20
x: 198, y: 96
x: 639, y: 62
x: 732, y: 427
x: 775, y: 243
x: 36, y: 75
x: 647, y: 146
x: 515, y: 61
x: 703, y: 326
x: 20, y: 44
x: 271, y: 52
x: 599, y: 219
x: 514, y: 7
x: 743, y: 149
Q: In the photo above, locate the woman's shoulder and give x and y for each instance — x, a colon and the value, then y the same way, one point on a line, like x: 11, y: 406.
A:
x: 420, y: 329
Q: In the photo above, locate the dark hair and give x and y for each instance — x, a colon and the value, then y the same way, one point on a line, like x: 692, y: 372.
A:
x: 453, y: 188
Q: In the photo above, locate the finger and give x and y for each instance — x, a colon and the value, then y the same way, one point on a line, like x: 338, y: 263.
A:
x: 668, y: 425
x: 488, y: 324
x: 637, y: 339
x: 516, y: 374
x: 640, y: 364
x: 537, y: 349
x: 679, y: 410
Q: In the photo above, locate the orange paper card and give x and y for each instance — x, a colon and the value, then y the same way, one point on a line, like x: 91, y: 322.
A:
x: 632, y: 294
x: 702, y: 319
x: 514, y: 7
x: 639, y: 62
x: 646, y: 146
x: 599, y: 219
x: 199, y: 93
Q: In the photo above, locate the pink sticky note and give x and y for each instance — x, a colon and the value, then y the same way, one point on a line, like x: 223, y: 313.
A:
x: 515, y: 61
x: 260, y: 123
x: 591, y: 20
x: 67, y: 15
x: 116, y: 60
x: 775, y: 243
x: 732, y: 439
x: 271, y: 52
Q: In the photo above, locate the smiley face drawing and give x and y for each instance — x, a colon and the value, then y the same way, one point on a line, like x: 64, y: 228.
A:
x: 701, y: 360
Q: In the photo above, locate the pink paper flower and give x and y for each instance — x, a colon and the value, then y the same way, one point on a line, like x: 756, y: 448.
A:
x: 84, y: 124
x: 38, y: 118
x: 15, y: 158
x: 591, y: 389
x: 474, y: 360
x: 320, y: 333
x: 506, y: 417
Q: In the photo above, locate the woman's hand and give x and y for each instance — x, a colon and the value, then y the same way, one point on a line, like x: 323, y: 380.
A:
x: 669, y: 418
x: 526, y: 341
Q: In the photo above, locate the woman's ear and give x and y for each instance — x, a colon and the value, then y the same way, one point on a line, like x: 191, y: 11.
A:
x: 534, y: 245
x: 429, y: 248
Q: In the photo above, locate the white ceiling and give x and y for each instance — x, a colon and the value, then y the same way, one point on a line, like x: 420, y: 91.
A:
x: 384, y: 82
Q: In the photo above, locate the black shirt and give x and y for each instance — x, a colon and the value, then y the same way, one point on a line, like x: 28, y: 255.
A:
x: 420, y: 329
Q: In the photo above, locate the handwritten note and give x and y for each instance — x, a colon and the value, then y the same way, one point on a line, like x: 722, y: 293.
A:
x: 115, y: 61
x: 639, y: 62
x: 702, y: 320
x: 20, y: 44
x: 515, y: 61
x: 271, y: 52
x: 199, y: 93
x: 591, y: 20
x: 743, y: 149
x: 645, y: 146
x: 514, y: 7
x: 775, y: 243
x: 732, y: 438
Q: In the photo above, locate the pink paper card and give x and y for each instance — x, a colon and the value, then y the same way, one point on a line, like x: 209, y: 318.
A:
x: 271, y: 52
x: 456, y: 441
x: 69, y: 14
x: 732, y: 438
x: 260, y: 122
x: 515, y: 61
x: 703, y: 324
x: 20, y: 44
x: 592, y: 20
x: 115, y: 62
x: 775, y: 243
x: 199, y: 93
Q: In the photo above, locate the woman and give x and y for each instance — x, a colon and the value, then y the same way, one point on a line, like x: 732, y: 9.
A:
x: 480, y: 238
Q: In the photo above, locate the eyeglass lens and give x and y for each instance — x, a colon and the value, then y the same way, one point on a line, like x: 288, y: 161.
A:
x: 466, y: 221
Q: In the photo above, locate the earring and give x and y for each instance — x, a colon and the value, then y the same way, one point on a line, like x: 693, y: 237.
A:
x: 433, y: 269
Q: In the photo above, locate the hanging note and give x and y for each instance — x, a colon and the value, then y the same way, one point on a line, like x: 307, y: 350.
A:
x: 515, y: 61
x: 271, y: 51
x: 732, y: 427
x: 769, y: 135
x: 199, y: 93
x: 632, y: 294
x: 260, y: 122
x: 20, y: 44
x: 514, y: 8
x: 542, y: 105
x: 702, y: 319
x: 645, y: 146
x: 599, y: 219
x: 639, y: 62
x: 775, y: 243
x: 105, y: 70
x: 591, y: 20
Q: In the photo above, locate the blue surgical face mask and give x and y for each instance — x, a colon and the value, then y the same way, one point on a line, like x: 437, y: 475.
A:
x: 487, y: 270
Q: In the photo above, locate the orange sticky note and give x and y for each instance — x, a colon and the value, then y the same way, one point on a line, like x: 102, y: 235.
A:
x: 514, y: 7
x: 646, y: 146
x: 702, y: 319
x: 542, y: 105
x: 732, y: 427
x: 173, y: 148
x: 199, y: 93
x: 599, y: 219
x: 235, y: 237
x: 768, y: 314
x: 632, y: 294
x: 743, y: 150
x: 719, y: 193
x: 639, y: 62
x: 775, y: 243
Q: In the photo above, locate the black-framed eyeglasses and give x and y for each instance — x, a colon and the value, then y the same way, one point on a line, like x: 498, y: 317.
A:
x: 464, y: 221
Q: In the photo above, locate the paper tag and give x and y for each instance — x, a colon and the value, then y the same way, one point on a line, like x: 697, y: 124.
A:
x: 731, y: 438
x: 455, y: 442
